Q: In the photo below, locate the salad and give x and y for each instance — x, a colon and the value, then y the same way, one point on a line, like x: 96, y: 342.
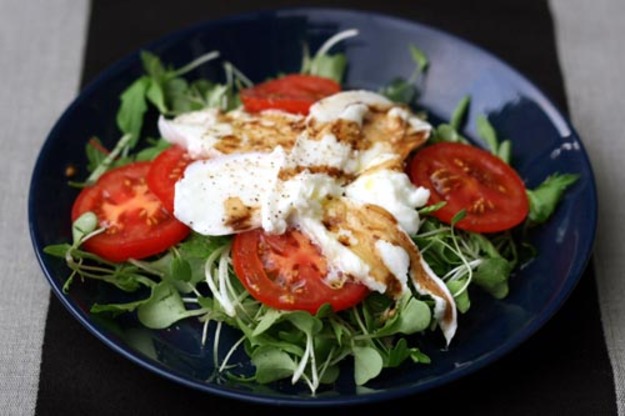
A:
x: 337, y: 229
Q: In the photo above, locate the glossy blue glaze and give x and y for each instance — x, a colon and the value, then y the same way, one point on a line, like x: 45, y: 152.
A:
x: 265, y: 43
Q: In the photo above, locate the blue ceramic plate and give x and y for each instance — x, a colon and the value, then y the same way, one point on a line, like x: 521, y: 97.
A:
x: 266, y: 43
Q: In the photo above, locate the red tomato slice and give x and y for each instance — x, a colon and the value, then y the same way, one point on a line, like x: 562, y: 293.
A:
x: 469, y: 178
x: 287, y: 272
x: 166, y: 169
x: 294, y: 93
x: 137, y: 224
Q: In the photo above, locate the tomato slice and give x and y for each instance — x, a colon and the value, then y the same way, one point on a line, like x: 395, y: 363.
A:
x: 137, y: 225
x: 467, y: 177
x: 166, y: 169
x: 287, y: 272
x: 294, y: 93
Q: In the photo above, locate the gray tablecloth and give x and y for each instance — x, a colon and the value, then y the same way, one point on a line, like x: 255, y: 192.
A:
x: 41, y: 47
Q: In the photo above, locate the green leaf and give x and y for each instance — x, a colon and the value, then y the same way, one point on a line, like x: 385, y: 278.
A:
x: 95, y: 155
x: 152, y: 65
x: 149, y: 153
x: 156, y: 96
x: 446, y: 133
x: 272, y: 364
x: 180, y: 269
x: 411, y: 316
x: 428, y: 209
x: 305, y: 322
x: 545, y: 198
x: 329, y: 66
x: 116, y: 309
x: 84, y: 225
x: 460, y: 112
x: 111, y: 159
x: 419, y: 357
x: 399, y: 90
x: 216, y: 95
x: 206, y: 303
x: 163, y: 308
x: 458, y: 217
x: 419, y: 57
x: 368, y: 364
x: 484, y: 244
x: 463, y: 303
x: 505, y: 150
x: 128, y: 282
x: 269, y: 318
x: 492, y: 276
x: 324, y: 311
x: 488, y: 133
x: 57, y: 250
x: 330, y: 375
x: 398, y: 353
x: 200, y: 246
x: 325, y: 65
x: 133, y: 108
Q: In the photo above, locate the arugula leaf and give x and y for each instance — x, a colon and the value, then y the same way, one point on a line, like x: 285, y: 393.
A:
x: 156, y: 95
x: 153, y: 87
x: 133, y: 108
x: 545, y: 198
x: 152, y: 65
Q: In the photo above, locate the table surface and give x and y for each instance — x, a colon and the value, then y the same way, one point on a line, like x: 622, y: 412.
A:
x: 68, y: 39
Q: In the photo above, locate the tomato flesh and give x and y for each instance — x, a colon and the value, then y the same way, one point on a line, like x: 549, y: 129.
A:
x: 294, y: 93
x: 137, y: 225
x: 166, y: 169
x: 469, y: 178
x: 287, y: 272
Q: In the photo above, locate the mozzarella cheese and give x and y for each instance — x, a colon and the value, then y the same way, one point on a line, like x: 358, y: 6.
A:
x: 393, y: 191
x: 336, y: 175
x: 223, y: 195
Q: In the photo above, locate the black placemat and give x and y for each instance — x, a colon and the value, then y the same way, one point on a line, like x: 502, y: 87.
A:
x: 563, y: 369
